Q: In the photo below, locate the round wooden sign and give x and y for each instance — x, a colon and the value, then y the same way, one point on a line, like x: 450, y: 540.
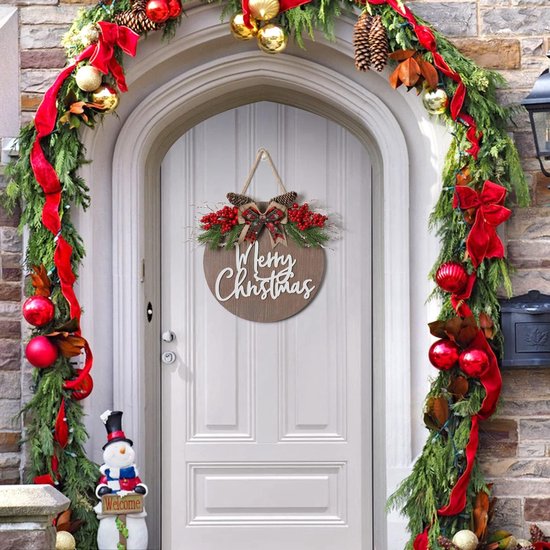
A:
x: 262, y: 283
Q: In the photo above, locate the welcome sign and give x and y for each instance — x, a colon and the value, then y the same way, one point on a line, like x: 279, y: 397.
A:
x: 265, y: 283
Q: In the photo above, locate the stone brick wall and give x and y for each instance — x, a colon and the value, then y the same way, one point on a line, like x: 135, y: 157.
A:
x: 511, y: 36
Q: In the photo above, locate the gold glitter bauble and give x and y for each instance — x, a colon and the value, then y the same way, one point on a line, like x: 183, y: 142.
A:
x: 89, y: 34
x: 88, y: 78
x: 272, y: 38
x: 64, y: 541
x: 106, y: 98
x: 465, y: 540
x: 240, y: 30
x: 264, y: 10
x: 436, y: 101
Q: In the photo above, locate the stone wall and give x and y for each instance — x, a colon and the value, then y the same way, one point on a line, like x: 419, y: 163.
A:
x: 511, y: 36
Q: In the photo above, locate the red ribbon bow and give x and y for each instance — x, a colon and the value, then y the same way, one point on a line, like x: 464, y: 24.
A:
x: 283, y: 6
x: 103, y: 57
x: 483, y: 241
x: 256, y: 221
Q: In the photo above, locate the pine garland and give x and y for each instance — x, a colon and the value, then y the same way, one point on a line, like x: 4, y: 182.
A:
x: 441, y: 460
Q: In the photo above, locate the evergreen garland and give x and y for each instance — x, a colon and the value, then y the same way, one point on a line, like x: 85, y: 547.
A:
x: 429, y: 484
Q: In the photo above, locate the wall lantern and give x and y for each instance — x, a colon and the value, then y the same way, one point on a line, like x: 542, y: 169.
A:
x: 526, y: 330
x: 537, y: 104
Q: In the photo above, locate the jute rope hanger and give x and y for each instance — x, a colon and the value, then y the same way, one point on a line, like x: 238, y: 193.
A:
x: 263, y: 154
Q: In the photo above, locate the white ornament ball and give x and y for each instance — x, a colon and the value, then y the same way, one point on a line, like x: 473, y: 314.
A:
x: 88, y: 78
x: 64, y: 541
x: 88, y: 35
x: 466, y: 540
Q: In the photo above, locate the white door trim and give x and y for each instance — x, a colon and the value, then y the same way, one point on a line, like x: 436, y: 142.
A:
x: 225, y: 74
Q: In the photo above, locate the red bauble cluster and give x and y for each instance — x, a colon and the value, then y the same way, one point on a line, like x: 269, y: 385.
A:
x: 227, y: 218
x: 38, y: 310
x: 304, y: 218
x: 41, y: 352
x: 159, y: 11
x: 451, y: 277
x: 443, y: 354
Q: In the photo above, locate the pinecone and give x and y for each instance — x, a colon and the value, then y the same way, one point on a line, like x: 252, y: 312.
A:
x: 361, y: 41
x: 236, y: 199
x: 136, y: 18
x: 536, y: 533
x: 287, y: 199
x: 378, y: 44
x: 446, y: 544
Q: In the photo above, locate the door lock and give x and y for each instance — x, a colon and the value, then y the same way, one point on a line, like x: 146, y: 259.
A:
x: 168, y: 357
x: 168, y: 336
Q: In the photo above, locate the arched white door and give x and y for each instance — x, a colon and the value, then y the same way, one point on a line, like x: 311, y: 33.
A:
x: 266, y: 428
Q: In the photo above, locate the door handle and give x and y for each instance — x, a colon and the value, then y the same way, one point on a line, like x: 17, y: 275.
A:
x: 168, y: 336
x: 168, y: 357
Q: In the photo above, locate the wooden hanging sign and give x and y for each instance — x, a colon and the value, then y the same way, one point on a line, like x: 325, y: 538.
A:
x: 260, y: 283
x: 264, y: 260
x: 115, y: 505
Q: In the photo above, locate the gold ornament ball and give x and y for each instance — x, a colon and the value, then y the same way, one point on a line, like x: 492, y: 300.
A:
x: 64, y: 541
x: 264, y: 10
x: 436, y: 101
x: 240, y: 30
x: 466, y: 540
x: 89, y: 34
x: 272, y: 38
x: 106, y: 98
x: 88, y: 78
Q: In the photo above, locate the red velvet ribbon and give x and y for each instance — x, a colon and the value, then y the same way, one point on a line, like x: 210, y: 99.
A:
x: 61, y: 432
x: 101, y: 56
x: 483, y: 240
x: 283, y: 6
x: 541, y: 545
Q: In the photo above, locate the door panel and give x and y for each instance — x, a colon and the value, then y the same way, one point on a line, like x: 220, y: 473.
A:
x: 265, y: 428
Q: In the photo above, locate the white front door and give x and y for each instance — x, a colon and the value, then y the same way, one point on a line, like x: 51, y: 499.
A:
x: 266, y: 427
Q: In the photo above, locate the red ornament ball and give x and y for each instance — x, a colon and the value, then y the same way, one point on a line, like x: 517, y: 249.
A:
x: 451, y: 277
x: 41, y: 352
x: 84, y: 388
x: 174, y: 8
x: 157, y: 11
x: 38, y: 310
x: 473, y: 362
x: 443, y: 354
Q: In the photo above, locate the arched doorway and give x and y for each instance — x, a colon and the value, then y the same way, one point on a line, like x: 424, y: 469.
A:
x: 179, y: 85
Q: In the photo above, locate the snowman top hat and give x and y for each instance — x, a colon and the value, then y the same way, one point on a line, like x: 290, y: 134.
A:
x: 113, y: 425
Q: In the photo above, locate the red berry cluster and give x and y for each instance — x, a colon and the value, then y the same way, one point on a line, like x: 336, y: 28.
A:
x: 304, y: 218
x: 227, y: 218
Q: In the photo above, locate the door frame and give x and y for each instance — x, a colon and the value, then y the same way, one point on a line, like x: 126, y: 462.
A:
x: 127, y: 163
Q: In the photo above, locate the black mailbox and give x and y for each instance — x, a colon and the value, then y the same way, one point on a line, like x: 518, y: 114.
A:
x: 526, y: 329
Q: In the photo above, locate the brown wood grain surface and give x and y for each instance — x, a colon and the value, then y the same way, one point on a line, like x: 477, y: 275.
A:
x: 272, y: 265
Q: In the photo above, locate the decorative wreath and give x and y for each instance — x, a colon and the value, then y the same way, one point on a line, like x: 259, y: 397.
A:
x: 446, y: 492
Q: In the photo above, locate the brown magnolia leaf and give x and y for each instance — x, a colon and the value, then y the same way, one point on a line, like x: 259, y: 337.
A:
x: 464, y: 176
x: 70, y: 345
x: 394, y: 79
x: 437, y: 329
x: 437, y: 411
x: 77, y: 107
x: 409, y: 72
x: 481, y: 514
x: 429, y: 72
x: 40, y: 281
x: 453, y: 326
x: 487, y: 325
x: 75, y: 525
x: 63, y: 526
x: 459, y: 387
x: 63, y: 518
x: 401, y: 55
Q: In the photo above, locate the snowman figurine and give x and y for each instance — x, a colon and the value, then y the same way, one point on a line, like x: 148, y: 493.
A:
x: 120, y: 476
